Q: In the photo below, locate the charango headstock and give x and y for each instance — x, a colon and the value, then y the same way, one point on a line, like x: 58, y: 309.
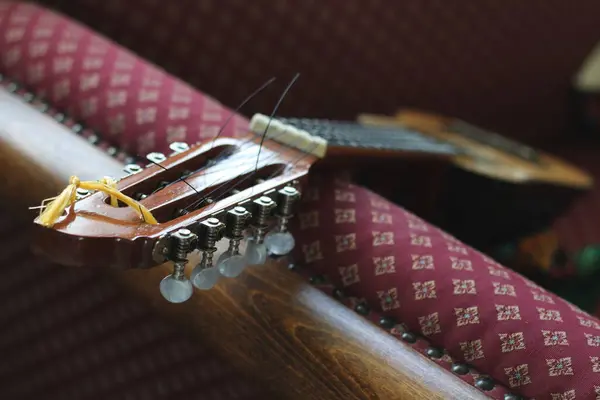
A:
x: 235, y: 189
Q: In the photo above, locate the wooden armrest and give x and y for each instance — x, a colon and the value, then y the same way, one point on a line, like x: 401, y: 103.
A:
x: 38, y: 155
x: 269, y: 322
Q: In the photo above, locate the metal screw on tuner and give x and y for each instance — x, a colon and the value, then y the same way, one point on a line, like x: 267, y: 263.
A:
x: 176, y: 288
x: 256, y: 250
x: 179, y: 147
x: 205, y: 275
x: 280, y: 241
x: 131, y: 169
x: 156, y: 158
x: 231, y: 263
x: 81, y: 193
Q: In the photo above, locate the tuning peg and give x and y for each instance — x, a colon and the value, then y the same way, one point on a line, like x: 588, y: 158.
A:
x: 176, y: 288
x: 179, y: 147
x: 280, y: 241
x: 256, y: 250
x: 205, y: 275
x: 231, y: 263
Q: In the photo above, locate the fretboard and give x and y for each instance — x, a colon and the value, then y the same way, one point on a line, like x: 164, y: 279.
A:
x: 353, y: 134
x: 495, y: 140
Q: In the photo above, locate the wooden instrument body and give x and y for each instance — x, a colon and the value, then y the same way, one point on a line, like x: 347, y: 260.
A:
x: 485, y: 159
x: 269, y: 323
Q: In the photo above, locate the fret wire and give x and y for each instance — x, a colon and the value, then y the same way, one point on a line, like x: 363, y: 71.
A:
x: 352, y: 134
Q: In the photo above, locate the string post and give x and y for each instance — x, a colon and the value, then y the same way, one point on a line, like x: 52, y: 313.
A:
x: 231, y: 263
x: 256, y: 250
x: 176, y: 287
x: 280, y: 241
x: 205, y: 275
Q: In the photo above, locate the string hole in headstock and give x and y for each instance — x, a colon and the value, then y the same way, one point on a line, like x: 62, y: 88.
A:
x: 214, y: 192
x: 161, y: 186
x: 160, y: 173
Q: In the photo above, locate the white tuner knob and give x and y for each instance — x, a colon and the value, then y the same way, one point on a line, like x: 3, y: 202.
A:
x: 231, y: 263
x: 176, y: 288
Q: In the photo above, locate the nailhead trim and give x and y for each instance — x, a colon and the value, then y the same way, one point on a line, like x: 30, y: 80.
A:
x: 409, y: 337
x: 481, y: 382
x: 76, y: 127
x: 387, y: 322
x: 434, y: 352
x: 362, y: 309
x: 511, y: 396
x: 460, y: 369
x: 439, y: 356
x: 485, y: 383
x: 317, y: 279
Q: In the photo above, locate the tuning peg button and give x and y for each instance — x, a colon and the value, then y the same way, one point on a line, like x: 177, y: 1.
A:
x: 204, y: 278
x: 176, y: 288
x: 256, y: 253
x: 205, y: 275
x: 280, y: 241
x: 230, y: 265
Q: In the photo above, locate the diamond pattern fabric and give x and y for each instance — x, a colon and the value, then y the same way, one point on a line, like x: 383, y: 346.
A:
x: 533, y: 342
x: 481, y: 61
x: 104, y: 85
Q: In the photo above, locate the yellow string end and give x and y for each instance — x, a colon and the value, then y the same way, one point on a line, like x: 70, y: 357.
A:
x: 110, y: 182
x: 53, y: 208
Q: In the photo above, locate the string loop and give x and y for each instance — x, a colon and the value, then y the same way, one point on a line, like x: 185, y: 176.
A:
x: 53, y: 208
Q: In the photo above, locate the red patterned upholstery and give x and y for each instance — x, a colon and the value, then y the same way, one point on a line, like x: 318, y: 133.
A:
x: 382, y: 257
x: 106, y: 86
x: 481, y: 61
x: 530, y: 340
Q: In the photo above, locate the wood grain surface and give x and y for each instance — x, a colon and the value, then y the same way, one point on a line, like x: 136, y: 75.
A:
x: 269, y: 323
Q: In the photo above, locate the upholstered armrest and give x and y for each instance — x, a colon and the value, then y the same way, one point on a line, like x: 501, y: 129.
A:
x: 457, y: 303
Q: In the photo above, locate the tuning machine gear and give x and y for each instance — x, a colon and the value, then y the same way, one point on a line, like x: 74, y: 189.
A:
x: 256, y: 250
x: 231, y: 263
x: 280, y: 241
x: 176, y: 287
x: 205, y: 276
